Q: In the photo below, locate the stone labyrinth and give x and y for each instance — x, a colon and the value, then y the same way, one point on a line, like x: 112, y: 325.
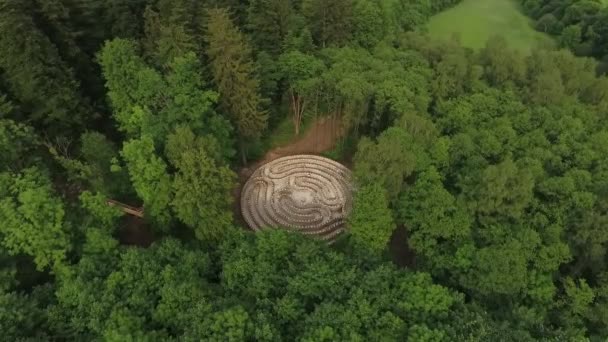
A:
x: 303, y: 193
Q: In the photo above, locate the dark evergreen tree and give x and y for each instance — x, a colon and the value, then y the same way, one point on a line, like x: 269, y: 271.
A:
x: 231, y: 63
x: 36, y: 76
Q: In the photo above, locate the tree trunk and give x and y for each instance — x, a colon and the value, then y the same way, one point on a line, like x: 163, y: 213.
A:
x: 295, y: 109
x: 243, y: 151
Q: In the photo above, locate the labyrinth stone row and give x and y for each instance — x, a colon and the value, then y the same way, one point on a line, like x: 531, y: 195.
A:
x: 304, y: 193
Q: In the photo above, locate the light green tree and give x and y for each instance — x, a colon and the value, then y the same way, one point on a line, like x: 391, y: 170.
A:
x: 371, y: 223
x: 386, y: 162
x: 149, y: 177
x: 302, y: 74
x: 439, y: 227
x: 33, y: 218
x: 202, y: 188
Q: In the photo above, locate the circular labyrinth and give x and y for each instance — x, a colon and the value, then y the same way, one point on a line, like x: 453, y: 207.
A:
x: 303, y: 193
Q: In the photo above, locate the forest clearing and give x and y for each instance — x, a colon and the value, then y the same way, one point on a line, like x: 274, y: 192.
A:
x: 475, y: 21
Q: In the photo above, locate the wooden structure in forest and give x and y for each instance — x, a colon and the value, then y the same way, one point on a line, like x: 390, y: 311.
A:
x: 139, y: 212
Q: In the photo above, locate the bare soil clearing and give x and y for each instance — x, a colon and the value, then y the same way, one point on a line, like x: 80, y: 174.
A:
x: 322, y: 136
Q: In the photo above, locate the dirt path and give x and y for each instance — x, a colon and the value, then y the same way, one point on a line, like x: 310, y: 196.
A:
x: 322, y: 136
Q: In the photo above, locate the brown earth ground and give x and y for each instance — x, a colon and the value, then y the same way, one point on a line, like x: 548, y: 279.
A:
x: 321, y: 136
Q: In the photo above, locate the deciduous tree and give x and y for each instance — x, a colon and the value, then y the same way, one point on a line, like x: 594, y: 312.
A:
x: 371, y: 223
x: 386, y: 162
x: 202, y: 190
x: 301, y: 71
x: 149, y: 177
x: 33, y: 218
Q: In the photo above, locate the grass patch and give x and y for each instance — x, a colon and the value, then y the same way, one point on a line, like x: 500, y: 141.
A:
x: 344, y: 150
x: 477, y: 20
x: 283, y: 133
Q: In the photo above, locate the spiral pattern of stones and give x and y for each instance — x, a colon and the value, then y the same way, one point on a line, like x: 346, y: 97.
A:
x: 304, y: 193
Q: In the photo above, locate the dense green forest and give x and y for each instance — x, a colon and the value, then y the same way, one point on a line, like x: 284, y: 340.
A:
x: 495, y: 162
x: 580, y: 25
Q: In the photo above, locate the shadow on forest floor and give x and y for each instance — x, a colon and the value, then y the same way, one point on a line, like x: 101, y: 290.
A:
x: 135, y: 232
x: 400, y: 252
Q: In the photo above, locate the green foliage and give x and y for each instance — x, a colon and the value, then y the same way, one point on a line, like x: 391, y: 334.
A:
x: 92, y: 168
x: 33, y: 218
x: 330, y: 21
x: 133, y: 88
x: 439, y: 226
x: 130, y: 292
x: 368, y: 23
x: 152, y: 291
x: 492, y: 159
x: 35, y: 74
x: 578, y: 25
x: 502, y: 191
x: 149, y: 177
x: 148, y: 103
x: 571, y: 37
x: 6, y: 107
x: 234, y: 75
x: 270, y: 21
x: 23, y: 316
x: 192, y: 104
x: 202, y: 189
x: 386, y: 162
x: 301, y: 72
x: 320, y: 294
x: 371, y: 224
x: 17, y: 145
x: 96, y: 205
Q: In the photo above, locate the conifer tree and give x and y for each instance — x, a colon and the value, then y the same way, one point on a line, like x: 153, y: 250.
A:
x: 172, y: 29
x: 233, y: 71
x: 330, y: 21
x: 42, y: 83
x: 270, y: 21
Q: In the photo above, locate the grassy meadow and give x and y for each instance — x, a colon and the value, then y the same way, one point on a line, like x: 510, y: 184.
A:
x: 477, y: 20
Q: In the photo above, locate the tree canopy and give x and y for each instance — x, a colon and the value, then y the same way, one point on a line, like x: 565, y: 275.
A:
x: 483, y: 173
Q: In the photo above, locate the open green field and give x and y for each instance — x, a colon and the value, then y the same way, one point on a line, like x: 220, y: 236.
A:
x: 477, y: 20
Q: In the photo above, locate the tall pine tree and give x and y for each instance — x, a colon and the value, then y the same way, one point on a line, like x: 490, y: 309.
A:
x: 35, y: 75
x: 270, y: 22
x: 233, y: 71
